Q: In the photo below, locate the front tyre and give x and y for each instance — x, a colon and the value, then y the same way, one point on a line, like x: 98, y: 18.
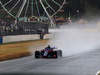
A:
x: 37, y: 54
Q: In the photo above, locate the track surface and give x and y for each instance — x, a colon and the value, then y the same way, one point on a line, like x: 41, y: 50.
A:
x: 83, y: 64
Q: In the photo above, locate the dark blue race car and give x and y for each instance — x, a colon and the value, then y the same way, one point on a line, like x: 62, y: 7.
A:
x: 48, y: 52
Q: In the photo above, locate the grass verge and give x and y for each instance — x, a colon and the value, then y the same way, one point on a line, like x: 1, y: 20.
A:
x: 20, y: 49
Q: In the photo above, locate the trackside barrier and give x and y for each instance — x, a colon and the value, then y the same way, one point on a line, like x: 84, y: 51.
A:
x: 17, y: 38
x: 1, y: 40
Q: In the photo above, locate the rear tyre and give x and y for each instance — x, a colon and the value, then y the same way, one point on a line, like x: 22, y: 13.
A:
x: 55, y: 54
x: 37, y: 54
x: 60, y: 53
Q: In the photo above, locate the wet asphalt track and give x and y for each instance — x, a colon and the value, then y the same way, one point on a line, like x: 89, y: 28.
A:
x: 82, y: 64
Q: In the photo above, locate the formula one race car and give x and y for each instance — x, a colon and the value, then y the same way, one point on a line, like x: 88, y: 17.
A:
x: 48, y: 52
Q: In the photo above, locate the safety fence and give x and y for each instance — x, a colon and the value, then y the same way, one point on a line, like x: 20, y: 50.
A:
x: 24, y: 29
